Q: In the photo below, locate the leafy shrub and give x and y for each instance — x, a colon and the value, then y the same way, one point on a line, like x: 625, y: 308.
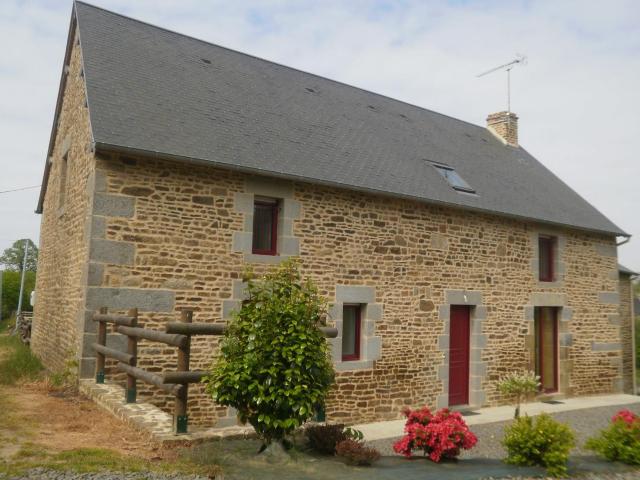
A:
x: 518, y: 386
x: 620, y: 441
x: 324, y: 438
x: 356, y: 452
x: 439, y: 436
x: 539, y: 441
x: 274, y: 366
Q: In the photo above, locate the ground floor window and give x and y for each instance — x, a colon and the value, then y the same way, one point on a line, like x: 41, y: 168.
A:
x: 546, y: 347
x: 351, y: 320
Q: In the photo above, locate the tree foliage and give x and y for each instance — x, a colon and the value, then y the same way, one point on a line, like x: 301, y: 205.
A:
x: 13, y: 256
x: 11, y: 291
x: 274, y: 367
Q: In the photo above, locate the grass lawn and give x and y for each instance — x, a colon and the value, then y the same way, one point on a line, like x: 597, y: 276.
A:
x: 16, y: 361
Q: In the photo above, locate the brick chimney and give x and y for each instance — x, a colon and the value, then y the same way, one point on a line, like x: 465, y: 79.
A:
x: 505, y: 126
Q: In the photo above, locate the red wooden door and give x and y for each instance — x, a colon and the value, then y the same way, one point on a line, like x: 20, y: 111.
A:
x: 546, y: 335
x: 459, y: 332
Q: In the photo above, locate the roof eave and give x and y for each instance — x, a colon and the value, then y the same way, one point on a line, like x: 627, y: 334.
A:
x: 107, y: 147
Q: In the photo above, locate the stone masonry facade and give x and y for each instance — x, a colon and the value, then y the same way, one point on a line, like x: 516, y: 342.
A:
x: 161, y: 236
x: 62, y: 265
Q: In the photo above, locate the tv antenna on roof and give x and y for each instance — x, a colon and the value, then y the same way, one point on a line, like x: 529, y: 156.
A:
x: 519, y: 60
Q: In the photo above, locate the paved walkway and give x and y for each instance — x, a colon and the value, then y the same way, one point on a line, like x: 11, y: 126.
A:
x: 394, y: 428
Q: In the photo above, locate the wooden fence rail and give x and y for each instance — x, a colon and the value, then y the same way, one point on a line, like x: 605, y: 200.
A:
x: 177, y: 334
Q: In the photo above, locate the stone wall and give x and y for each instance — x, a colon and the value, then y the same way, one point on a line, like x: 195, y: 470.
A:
x: 60, y: 285
x: 172, y: 237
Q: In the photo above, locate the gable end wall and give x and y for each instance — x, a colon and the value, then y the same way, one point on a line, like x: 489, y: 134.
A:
x: 64, y: 230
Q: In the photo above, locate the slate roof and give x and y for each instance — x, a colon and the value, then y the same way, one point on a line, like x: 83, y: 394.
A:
x: 156, y: 92
x: 625, y: 270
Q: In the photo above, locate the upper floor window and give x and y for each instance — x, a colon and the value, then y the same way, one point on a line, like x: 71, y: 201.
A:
x: 351, y: 326
x: 265, y: 226
x: 546, y: 260
x: 64, y: 164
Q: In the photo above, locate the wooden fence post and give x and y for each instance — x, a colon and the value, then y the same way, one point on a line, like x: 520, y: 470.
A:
x: 101, y: 340
x: 132, y: 349
x: 181, y: 419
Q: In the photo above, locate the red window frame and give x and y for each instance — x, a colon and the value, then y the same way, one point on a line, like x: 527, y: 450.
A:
x: 356, y: 349
x: 547, y: 243
x: 540, y: 348
x: 273, y: 206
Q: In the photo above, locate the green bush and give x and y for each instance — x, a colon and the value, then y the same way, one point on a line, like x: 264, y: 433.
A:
x: 540, y: 441
x: 274, y: 366
x: 620, y: 441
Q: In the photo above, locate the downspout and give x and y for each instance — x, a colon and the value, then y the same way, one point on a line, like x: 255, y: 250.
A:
x: 633, y: 324
x: 633, y: 336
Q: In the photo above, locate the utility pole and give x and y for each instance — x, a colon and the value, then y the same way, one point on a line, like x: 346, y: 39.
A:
x: 1, y: 272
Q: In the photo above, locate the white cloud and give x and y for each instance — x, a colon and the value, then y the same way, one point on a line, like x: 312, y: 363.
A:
x: 577, y: 98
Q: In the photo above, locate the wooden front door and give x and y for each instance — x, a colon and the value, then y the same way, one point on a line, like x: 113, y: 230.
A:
x: 546, y: 357
x: 459, y: 334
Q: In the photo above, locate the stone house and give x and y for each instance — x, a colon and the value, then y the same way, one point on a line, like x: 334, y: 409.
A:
x: 449, y: 255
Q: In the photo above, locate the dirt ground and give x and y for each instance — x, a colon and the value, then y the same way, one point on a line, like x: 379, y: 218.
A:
x: 58, y: 420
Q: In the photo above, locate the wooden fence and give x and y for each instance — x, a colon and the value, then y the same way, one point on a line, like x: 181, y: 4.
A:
x: 177, y: 334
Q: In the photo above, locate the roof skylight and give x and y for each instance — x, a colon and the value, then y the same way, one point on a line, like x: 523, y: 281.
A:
x: 453, y: 178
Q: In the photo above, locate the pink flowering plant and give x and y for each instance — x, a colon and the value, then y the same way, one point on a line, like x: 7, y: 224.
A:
x: 620, y: 441
x: 440, y: 435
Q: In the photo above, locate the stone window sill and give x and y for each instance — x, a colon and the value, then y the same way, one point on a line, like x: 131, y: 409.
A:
x: 269, y: 259
x: 353, y: 365
x: 554, y: 284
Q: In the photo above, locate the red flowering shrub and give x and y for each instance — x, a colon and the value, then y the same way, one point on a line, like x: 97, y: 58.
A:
x: 626, y: 416
x: 620, y: 441
x: 439, y: 436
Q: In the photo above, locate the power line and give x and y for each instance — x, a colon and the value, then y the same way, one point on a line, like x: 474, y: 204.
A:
x: 18, y: 189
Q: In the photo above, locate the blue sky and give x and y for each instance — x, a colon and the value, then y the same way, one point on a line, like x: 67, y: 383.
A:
x: 578, y: 97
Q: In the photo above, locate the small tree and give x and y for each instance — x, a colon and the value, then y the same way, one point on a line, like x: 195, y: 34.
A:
x: 519, y: 386
x: 274, y: 366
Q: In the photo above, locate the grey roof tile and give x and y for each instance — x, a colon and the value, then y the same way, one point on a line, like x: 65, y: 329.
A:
x: 625, y: 270
x: 153, y: 90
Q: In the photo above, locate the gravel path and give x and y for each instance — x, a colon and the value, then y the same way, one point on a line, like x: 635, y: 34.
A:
x: 46, y: 474
x: 585, y: 423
